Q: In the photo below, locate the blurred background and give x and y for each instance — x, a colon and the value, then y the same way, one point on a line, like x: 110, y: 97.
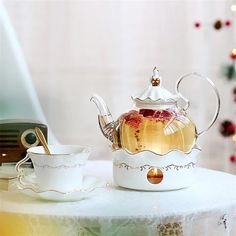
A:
x: 74, y: 49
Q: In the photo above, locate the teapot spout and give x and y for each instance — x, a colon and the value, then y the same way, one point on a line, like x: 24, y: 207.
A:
x: 105, y: 120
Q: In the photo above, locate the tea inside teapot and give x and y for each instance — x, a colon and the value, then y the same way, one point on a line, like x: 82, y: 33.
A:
x: 159, y: 131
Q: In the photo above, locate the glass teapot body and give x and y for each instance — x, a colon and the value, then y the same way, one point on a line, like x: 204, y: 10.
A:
x: 157, y: 130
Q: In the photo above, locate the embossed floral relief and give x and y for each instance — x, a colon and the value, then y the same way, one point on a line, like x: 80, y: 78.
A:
x: 170, y: 229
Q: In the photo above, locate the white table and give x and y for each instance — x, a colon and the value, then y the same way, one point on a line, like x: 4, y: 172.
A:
x: 207, y: 208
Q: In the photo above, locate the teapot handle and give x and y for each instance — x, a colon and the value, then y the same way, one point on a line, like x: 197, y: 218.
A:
x: 188, y: 103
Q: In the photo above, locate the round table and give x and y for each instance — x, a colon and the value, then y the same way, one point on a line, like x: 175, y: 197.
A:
x: 206, y: 208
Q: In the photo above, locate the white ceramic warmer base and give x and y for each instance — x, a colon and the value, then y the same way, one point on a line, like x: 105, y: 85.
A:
x: 176, y: 168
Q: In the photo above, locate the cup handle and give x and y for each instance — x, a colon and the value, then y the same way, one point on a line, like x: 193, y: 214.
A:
x: 187, y: 101
x: 21, y: 175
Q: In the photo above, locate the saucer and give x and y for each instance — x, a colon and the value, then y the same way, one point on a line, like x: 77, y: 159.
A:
x: 90, y: 183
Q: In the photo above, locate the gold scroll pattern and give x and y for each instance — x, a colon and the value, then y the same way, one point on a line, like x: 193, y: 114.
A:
x: 148, y: 167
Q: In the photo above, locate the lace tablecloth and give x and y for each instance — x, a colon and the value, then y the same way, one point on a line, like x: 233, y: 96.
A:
x: 206, y: 208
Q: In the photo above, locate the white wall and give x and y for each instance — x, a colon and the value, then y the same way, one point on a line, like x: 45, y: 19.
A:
x: 76, y: 48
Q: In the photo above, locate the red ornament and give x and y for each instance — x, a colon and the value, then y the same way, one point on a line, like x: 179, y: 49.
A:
x: 218, y: 25
x: 234, y: 91
x: 227, y: 128
x: 232, y: 158
x: 227, y: 23
x: 197, y: 24
x: 233, y: 54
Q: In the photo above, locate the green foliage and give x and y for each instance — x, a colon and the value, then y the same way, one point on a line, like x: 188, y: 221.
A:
x: 230, y: 72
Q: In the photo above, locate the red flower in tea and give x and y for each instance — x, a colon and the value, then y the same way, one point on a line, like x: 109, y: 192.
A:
x: 165, y: 115
x: 147, y: 112
x: 133, y: 118
x: 159, y: 114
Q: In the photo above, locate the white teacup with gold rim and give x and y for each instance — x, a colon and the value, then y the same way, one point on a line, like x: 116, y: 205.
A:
x: 61, y: 171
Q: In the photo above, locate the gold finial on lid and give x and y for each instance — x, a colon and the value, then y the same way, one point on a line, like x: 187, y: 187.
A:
x: 155, y: 78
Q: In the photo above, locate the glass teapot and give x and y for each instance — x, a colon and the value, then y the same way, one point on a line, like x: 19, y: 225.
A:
x: 156, y: 123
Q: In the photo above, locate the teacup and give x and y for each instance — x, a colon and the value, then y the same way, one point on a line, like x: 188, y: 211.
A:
x: 61, y: 171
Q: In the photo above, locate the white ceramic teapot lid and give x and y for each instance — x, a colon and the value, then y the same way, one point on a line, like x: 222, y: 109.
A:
x: 155, y: 94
